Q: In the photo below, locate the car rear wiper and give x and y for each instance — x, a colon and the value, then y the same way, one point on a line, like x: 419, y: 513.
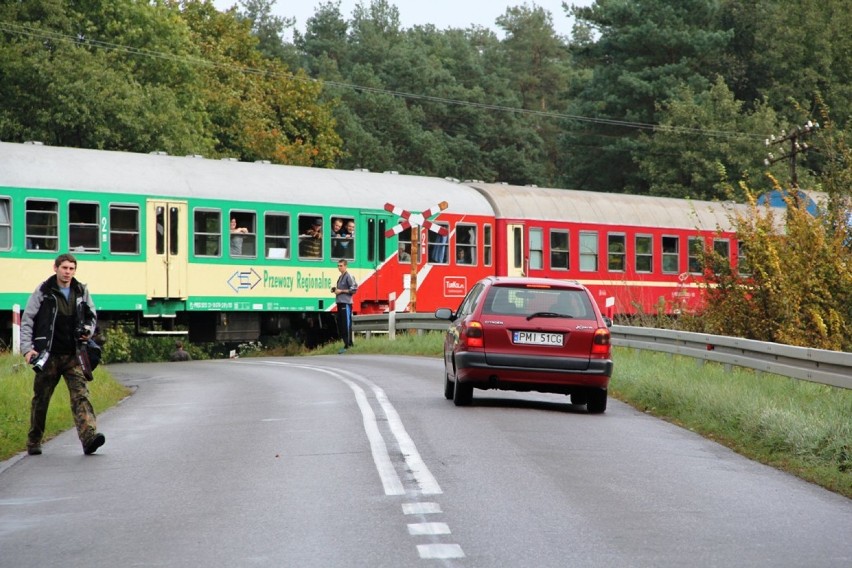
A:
x: 548, y: 315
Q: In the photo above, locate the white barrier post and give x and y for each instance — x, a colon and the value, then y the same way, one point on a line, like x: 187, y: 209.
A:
x: 392, y: 316
x: 16, y: 329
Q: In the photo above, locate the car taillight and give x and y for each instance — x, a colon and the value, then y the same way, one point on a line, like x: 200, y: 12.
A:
x: 473, y: 335
x: 601, y: 343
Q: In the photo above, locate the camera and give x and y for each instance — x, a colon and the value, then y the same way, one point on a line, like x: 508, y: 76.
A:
x: 333, y: 289
x: 39, y: 361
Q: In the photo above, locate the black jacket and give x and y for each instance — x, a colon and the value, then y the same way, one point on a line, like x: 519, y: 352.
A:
x: 42, y: 314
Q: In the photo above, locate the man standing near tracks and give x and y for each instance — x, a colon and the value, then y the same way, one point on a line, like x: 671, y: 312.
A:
x: 346, y: 286
x: 59, y: 318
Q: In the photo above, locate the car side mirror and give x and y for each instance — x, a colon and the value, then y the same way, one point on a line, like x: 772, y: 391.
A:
x: 444, y: 314
x: 607, y: 321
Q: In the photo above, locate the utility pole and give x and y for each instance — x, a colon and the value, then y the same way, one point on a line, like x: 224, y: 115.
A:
x: 796, y: 138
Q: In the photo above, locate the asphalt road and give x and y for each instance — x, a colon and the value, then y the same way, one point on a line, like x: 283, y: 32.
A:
x: 351, y: 461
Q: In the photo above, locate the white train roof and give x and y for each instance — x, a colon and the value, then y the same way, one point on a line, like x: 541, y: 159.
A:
x: 47, y: 167
x: 517, y: 202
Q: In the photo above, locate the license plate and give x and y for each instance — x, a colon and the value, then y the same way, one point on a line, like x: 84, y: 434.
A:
x: 537, y: 338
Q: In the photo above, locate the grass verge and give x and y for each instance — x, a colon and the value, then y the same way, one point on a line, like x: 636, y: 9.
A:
x: 16, y: 392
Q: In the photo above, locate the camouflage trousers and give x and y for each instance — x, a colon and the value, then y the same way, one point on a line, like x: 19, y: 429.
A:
x: 43, y: 386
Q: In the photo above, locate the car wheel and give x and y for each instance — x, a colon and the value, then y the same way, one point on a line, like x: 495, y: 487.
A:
x: 596, y: 403
x: 463, y: 394
x: 449, y: 386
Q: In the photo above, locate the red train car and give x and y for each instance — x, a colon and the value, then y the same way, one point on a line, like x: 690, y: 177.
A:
x: 638, y: 254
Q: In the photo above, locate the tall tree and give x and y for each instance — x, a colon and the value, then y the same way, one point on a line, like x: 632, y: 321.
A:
x: 703, y: 140
x: 643, y: 51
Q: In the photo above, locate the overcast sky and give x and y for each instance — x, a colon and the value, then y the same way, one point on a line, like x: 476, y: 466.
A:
x: 442, y: 13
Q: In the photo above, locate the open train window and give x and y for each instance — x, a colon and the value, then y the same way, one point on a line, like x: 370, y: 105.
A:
x: 466, y: 244
x: 277, y: 243
x: 343, y: 237
x: 310, y: 237
x: 536, y: 249
x: 243, y: 234
x: 671, y: 255
x: 588, y: 251
x: 438, y: 248
x: 616, y: 244
x: 559, y: 252
x: 42, y: 221
x: 644, y: 253
x: 84, y: 227
x: 124, y: 229
x: 5, y: 223
x: 696, y: 253
x: 404, y: 241
x: 208, y: 232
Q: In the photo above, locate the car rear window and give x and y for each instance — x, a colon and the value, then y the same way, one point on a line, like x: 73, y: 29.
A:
x: 504, y: 300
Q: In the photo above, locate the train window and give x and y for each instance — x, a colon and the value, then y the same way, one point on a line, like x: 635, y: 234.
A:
x: 696, y: 252
x: 208, y: 232
x: 243, y: 236
x: 644, y: 245
x: 518, y: 247
x: 381, y: 238
x: 5, y: 224
x: 559, y: 257
x: 160, y: 243
x: 486, y: 245
x: 124, y: 229
x: 343, y: 237
x: 616, y: 252
x: 84, y: 227
x: 466, y: 244
x: 671, y: 255
x: 404, y: 241
x: 310, y: 236
x: 174, y: 229
x: 743, y: 267
x: 277, y: 243
x: 438, y: 246
x: 42, y: 220
x: 722, y: 248
x: 536, y: 249
x: 588, y: 251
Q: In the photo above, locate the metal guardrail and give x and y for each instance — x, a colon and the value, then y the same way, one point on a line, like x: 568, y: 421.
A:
x: 813, y: 365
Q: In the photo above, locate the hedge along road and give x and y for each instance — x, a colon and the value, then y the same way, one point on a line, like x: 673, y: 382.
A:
x: 340, y: 461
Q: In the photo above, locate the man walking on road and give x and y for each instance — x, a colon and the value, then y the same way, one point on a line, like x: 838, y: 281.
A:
x: 346, y: 286
x: 59, y: 318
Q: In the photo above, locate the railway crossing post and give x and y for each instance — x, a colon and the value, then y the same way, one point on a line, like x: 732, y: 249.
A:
x: 415, y: 221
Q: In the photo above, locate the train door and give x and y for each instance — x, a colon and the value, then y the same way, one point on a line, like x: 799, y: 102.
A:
x: 375, y: 251
x: 515, y: 251
x: 166, y: 245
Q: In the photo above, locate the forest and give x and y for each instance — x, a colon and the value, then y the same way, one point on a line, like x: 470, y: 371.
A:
x: 660, y: 97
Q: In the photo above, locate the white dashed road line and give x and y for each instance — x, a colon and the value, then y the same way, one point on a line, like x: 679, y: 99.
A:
x: 420, y: 474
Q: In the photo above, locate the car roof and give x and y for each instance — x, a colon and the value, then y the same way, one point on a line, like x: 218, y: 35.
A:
x: 528, y: 281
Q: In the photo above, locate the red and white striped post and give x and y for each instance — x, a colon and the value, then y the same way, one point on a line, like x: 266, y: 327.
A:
x: 392, y: 316
x: 16, y: 329
x: 610, y: 307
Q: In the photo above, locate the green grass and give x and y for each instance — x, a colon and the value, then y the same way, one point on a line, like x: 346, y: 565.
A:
x: 796, y: 426
x: 16, y: 392
x: 799, y: 427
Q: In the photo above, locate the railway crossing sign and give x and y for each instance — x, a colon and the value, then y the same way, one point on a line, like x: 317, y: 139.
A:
x: 409, y: 219
x: 415, y: 221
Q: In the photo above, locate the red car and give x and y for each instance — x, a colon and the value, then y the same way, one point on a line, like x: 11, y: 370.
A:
x: 528, y: 334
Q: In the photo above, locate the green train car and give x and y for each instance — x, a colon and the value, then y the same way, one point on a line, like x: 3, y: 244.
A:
x: 152, y: 234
